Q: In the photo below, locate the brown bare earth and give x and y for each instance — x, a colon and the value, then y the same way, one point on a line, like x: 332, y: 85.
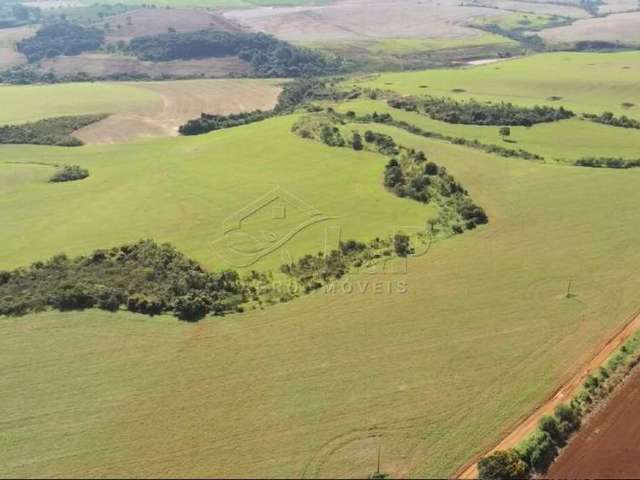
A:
x: 98, y: 65
x: 565, y: 392
x: 365, y: 19
x: 622, y: 27
x: 609, y: 445
x: 8, y: 38
x: 154, y: 21
x: 182, y: 101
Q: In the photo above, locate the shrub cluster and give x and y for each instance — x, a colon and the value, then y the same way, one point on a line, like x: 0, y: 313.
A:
x: 210, y: 122
x: 606, y: 162
x: 69, y: 173
x: 269, y: 56
x: 50, y: 131
x: 609, y: 118
x: 60, y: 38
x: 472, y: 112
x: 142, y: 277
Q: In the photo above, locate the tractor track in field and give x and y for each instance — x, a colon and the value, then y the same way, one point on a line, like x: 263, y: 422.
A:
x: 564, y: 392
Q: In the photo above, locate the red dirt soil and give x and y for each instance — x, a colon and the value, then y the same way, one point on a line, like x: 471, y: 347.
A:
x: 608, y: 446
x: 561, y: 395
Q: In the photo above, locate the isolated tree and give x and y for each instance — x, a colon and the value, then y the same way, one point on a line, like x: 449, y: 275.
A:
x: 505, y: 132
x: 502, y: 465
x: 357, y: 141
x: 402, y: 245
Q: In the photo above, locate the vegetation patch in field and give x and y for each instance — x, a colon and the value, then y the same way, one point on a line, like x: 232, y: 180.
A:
x: 609, y: 118
x: 69, y: 173
x: 473, y: 112
x: 607, y: 162
x: 269, y: 56
x: 50, y: 131
x: 60, y: 38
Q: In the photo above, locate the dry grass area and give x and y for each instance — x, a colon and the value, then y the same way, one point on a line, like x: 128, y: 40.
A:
x: 8, y: 38
x: 99, y: 65
x: 181, y: 101
x: 621, y: 27
x: 618, y: 6
x: 147, y: 21
x: 536, y: 8
x: 364, y: 20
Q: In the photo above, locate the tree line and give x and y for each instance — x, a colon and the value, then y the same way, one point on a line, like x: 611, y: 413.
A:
x: 50, y: 131
x: 609, y: 118
x: 533, y: 456
x: 472, y: 112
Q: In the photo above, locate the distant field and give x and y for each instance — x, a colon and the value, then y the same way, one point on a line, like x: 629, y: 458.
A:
x: 312, y: 388
x: 24, y: 103
x: 565, y: 140
x: 141, y: 109
x: 8, y: 38
x: 219, y: 3
x: 620, y: 27
x: 605, y: 82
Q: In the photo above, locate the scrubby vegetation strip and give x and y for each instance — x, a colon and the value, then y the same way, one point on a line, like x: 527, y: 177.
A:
x: 472, y: 112
x: 607, y: 162
x: 534, y: 455
x: 407, y: 174
x: 608, y: 118
x: 50, y: 131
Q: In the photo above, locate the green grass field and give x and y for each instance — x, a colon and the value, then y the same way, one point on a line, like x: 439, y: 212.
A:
x: 566, y: 140
x: 25, y: 103
x: 586, y: 82
x: 315, y: 387
x: 182, y: 190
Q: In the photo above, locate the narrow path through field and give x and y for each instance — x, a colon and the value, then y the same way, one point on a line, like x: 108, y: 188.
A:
x: 565, y: 392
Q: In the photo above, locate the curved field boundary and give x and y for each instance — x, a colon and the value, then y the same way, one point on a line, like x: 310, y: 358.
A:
x: 565, y: 392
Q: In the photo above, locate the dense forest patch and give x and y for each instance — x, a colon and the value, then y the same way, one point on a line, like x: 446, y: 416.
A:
x: 145, y: 277
x: 50, y: 131
x: 268, y: 56
x: 60, y: 38
x: 472, y: 112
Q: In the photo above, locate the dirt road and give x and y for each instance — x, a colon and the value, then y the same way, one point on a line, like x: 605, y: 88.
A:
x: 561, y: 395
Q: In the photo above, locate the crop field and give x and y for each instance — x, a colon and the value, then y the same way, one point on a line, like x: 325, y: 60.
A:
x: 24, y: 103
x: 619, y: 27
x: 365, y: 20
x: 8, y: 38
x: 607, y: 82
x: 311, y: 388
x: 563, y: 141
x: 141, y: 109
x: 147, y: 21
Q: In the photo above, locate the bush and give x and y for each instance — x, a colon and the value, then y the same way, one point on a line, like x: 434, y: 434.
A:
x: 402, y: 245
x: 538, y: 451
x: 69, y: 173
x: 502, y: 465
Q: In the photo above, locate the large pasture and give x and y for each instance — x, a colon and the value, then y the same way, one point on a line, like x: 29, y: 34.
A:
x: 313, y: 387
x: 583, y: 82
x: 317, y: 387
